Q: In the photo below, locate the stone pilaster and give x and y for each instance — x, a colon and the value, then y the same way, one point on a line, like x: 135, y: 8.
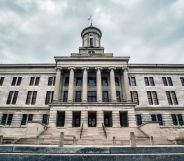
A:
x: 52, y: 118
x: 112, y: 84
x: 84, y: 118
x: 131, y: 118
x: 71, y: 85
x: 115, y: 119
x: 85, y: 84
x: 68, y: 118
x: 57, y: 88
x: 16, y: 121
x: 99, y: 84
x: 126, y: 87
x: 100, y: 118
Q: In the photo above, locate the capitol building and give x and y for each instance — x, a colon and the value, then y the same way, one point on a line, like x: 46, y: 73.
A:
x: 95, y: 98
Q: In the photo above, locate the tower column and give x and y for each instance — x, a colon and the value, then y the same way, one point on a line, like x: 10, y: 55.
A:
x: 71, y: 85
x: 85, y: 84
x: 126, y: 88
x: 57, y: 88
x: 112, y: 84
x: 99, y: 84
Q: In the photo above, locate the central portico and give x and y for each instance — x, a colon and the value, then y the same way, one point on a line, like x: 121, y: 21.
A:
x: 92, y: 87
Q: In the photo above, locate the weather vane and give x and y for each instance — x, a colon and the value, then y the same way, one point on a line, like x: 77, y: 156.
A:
x: 91, y: 20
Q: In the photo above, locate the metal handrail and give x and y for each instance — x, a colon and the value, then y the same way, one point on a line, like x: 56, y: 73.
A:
x: 81, y: 130
x: 105, y: 133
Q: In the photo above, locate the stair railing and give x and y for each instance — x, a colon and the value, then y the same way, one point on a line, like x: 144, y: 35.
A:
x: 103, y: 127
x: 81, y: 130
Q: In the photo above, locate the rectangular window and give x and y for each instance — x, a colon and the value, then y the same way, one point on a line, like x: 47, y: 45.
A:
x: 78, y: 81
x: 16, y: 81
x: 134, y: 97
x: 132, y: 81
x: 34, y: 81
x: 149, y: 81
x: 51, y: 81
x: 1, y: 81
x: 152, y: 97
x: 26, y: 118
x: 182, y: 81
x: 49, y: 97
x: 12, y: 97
x: 45, y: 119
x: 7, y: 119
x: 138, y: 119
x: 92, y: 81
x: 105, y: 96
x: 66, y: 82
x: 78, y: 96
x: 104, y: 81
x: 60, y: 119
x: 177, y: 119
x: 171, y: 97
x: 91, y: 96
x: 31, y: 97
x: 157, y: 118
x: 65, y: 96
x: 118, y: 96
x: 167, y: 81
x: 117, y: 81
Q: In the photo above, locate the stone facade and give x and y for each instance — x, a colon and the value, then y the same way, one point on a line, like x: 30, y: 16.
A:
x: 93, y: 88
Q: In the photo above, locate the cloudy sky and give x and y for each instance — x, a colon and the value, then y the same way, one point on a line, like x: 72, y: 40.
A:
x: 149, y: 31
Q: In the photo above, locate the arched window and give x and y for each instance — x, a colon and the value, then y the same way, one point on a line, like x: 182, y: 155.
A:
x: 91, y: 40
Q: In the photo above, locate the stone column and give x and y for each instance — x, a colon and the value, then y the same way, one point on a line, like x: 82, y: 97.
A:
x: 126, y: 87
x: 57, y: 88
x: 99, y: 84
x: 85, y: 84
x: 71, y: 85
x: 112, y: 84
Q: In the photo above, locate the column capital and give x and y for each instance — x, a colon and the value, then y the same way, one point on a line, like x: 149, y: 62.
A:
x: 98, y: 68
x: 111, y: 68
x: 85, y: 68
x: 125, y: 68
x: 71, y: 68
x: 58, y: 68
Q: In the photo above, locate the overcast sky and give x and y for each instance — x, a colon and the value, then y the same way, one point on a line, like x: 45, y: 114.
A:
x: 149, y: 31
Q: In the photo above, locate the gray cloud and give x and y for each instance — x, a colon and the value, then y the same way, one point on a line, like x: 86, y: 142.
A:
x: 34, y: 31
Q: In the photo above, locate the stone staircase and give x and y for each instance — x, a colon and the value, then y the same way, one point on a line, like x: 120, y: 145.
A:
x: 93, y: 136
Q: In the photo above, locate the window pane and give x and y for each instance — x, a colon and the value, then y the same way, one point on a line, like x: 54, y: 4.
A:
x: 28, y: 97
x: 174, y: 119
x: 3, y: 121
x: 32, y: 81
x: 30, y: 117
x: 159, y: 117
x: 155, y: 98
x: 65, y: 96
x: 50, y: 79
x: 117, y: 81
x: 34, y: 97
x: 10, y: 117
x: 19, y: 81
x: 169, y: 97
x: 180, y: 119
x: 138, y: 119
x: 1, y: 81
x: 45, y: 119
x: 169, y: 81
x: 105, y: 96
x: 104, y: 81
x: 15, y: 97
x: 91, y: 96
x: 78, y: 81
x: 164, y: 81
x: 14, y: 81
x: 149, y: 98
x: 173, y: 94
x: 47, y: 99
x: 78, y: 96
x: 9, y: 97
x: 24, y: 119
x: 66, y: 82
x: 152, y: 83
x: 37, y: 81
x: 146, y: 81
x: 91, y: 81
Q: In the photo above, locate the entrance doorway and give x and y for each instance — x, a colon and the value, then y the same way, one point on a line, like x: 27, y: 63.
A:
x: 60, y: 119
x: 92, y: 119
x: 123, y: 119
x: 76, y: 119
x: 108, y: 118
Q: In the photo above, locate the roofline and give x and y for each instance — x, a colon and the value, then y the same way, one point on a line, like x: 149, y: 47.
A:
x: 156, y: 65
x: 57, y: 58
x: 27, y: 65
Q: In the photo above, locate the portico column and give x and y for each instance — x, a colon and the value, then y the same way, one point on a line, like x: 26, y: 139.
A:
x: 85, y: 84
x: 71, y: 85
x: 126, y: 86
x: 99, y: 84
x: 57, y: 88
x: 112, y: 84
